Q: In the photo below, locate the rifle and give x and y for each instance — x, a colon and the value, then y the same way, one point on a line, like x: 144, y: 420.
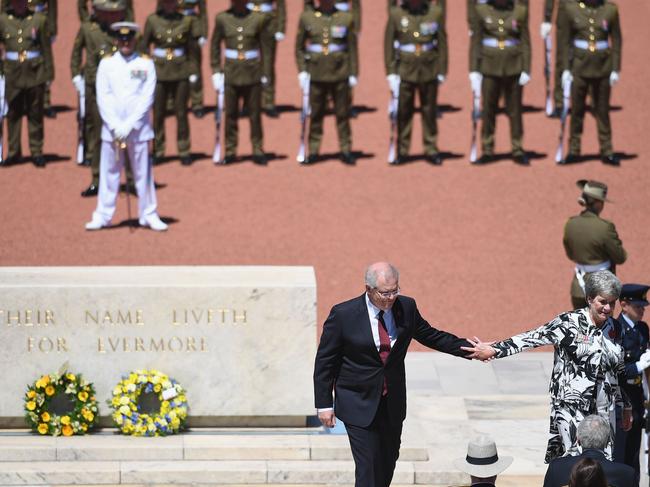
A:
x: 547, y: 74
x: 393, y: 106
x: 218, y: 113
x: 304, y: 116
x: 81, y: 124
x: 566, y: 99
x: 3, y: 112
x: 476, y: 116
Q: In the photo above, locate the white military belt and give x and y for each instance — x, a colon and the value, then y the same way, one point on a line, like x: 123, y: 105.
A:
x: 22, y: 55
x: 417, y: 48
x: 262, y: 7
x: 500, y: 43
x: 189, y: 11
x: 591, y: 45
x: 582, y: 269
x: 168, y: 53
x: 327, y: 48
x: 343, y: 6
x: 40, y: 7
x: 242, y: 55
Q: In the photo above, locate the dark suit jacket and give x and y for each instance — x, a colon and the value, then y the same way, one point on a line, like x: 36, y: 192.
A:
x: 618, y: 474
x: 348, y: 361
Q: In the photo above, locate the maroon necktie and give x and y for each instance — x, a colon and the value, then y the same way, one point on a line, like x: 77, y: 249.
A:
x: 384, y: 345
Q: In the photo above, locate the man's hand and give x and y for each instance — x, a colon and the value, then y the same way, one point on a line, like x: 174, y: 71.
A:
x: 524, y: 78
x: 627, y: 419
x: 545, y: 29
x: 393, y: 83
x: 303, y: 80
x: 480, y: 350
x: 202, y: 41
x: 327, y: 418
x: 476, y: 80
x: 218, y: 81
x: 279, y: 36
x: 78, y: 83
x: 567, y: 77
x: 644, y: 361
x: 613, y: 78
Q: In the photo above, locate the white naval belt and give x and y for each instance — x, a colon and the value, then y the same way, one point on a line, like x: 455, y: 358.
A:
x: 242, y: 55
x: 417, y: 48
x: 22, y: 55
x: 168, y: 53
x: 262, y: 7
x: 500, y: 43
x: 591, y: 45
x: 343, y: 6
x: 326, y: 49
x: 582, y: 269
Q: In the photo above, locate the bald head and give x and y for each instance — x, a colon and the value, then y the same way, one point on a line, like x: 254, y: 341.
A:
x: 381, y: 271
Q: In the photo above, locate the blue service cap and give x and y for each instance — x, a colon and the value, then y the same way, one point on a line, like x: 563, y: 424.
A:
x: 635, y: 294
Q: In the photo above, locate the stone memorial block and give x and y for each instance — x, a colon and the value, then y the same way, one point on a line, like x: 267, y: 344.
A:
x: 240, y: 340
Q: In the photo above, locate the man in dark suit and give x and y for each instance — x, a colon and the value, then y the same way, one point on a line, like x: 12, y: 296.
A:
x: 361, y: 357
x: 593, y: 435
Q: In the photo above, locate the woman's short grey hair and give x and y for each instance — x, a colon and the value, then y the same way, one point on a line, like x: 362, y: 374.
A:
x: 602, y: 283
x: 373, y: 271
x: 594, y: 432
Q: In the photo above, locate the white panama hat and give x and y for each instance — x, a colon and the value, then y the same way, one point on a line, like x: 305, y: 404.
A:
x: 482, y: 459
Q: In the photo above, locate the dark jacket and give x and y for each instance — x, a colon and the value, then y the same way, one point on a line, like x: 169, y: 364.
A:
x: 618, y: 474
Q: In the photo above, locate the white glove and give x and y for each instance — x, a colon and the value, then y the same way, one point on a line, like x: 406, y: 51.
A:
x: 122, y: 131
x: 202, y: 41
x: 193, y: 78
x: 393, y: 83
x: 441, y: 78
x: 567, y: 77
x: 613, y: 78
x: 279, y: 36
x: 218, y: 81
x: 78, y: 83
x: 264, y: 80
x: 476, y: 80
x: 644, y: 361
x: 545, y: 29
x: 352, y: 81
x: 524, y: 78
x: 303, y: 80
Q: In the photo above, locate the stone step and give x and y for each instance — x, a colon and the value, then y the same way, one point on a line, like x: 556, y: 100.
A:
x: 208, y: 472
x: 207, y: 447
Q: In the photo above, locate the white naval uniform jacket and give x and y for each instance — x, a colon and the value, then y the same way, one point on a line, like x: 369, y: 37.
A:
x: 125, y: 91
x: 586, y: 361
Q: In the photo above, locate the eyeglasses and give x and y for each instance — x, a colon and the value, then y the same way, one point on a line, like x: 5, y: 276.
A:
x: 388, y: 294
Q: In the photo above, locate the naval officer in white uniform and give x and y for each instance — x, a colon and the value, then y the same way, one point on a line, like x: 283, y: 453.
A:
x: 126, y: 82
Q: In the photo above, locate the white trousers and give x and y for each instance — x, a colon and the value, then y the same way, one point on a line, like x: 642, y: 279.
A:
x: 110, y: 166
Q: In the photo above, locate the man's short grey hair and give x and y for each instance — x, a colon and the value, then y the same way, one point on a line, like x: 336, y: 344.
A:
x: 594, y: 432
x: 372, y: 274
x: 602, y: 283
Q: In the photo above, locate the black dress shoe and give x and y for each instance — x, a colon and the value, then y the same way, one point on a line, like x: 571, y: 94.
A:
x: 611, y: 160
x: 556, y: 113
x: 260, y: 159
x: 39, y: 161
x: 199, y: 112
x: 91, y: 190
x: 310, y: 159
x: 271, y: 112
x: 434, y: 159
x: 570, y: 159
x: 348, y: 158
x: 229, y: 159
x: 484, y: 159
x: 399, y: 160
x: 49, y: 112
x: 186, y: 160
x: 521, y: 159
x: 244, y: 113
x: 86, y: 163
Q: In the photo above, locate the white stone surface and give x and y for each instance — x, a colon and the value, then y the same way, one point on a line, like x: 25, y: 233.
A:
x: 50, y: 473
x: 194, y: 472
x: 98, y: 318
x: 327, y: 472
x: 27, y: 448
x: 246, y: 447
x: 113, y: 448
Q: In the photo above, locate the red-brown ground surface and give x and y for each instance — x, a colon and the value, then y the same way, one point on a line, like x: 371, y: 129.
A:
x: 479, y: 247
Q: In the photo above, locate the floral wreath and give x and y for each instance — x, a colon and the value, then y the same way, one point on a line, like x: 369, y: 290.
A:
x: 127, y: 413
x: 38, y: 402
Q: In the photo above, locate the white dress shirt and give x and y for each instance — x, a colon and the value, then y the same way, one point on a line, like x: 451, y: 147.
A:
x: 389, y: 320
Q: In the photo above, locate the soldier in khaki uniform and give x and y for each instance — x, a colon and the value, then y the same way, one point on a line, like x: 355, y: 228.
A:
x: 240, y: 30
x: 82, y: 8
x: 26, y: 67
x: 500, y: 64
x: 198, y: 12
x: 415, y: 55
x: 326, y: 54
x: 592, y: 32
x: 95, y: 37
x: 175, y: 57
x: 590, y: 241
x: 276, y: 23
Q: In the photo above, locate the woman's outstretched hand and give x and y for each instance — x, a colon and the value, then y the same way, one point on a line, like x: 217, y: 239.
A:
x: 480, y: 350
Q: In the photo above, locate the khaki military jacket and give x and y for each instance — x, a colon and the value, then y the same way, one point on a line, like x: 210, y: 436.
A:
x: 97, y: 43
x: 172, y: 34
x: 423, y: 30
x: 279, y: 14
x: 355, y: 10
x: 25, y: 35
x: 240, y: 34
x: 589, y: 239
x: 591, y: 25
x: 200, y: 18
x: 84, y: 14
x: 318, y: 28
x: 48, y: 8
x: 509, y: 25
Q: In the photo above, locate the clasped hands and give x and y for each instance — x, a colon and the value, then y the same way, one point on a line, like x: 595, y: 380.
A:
x: 483, y: 351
